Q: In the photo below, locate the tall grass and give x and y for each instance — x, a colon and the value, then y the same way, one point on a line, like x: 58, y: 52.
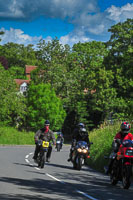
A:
x: 102, y: 145
x: 12, y: 136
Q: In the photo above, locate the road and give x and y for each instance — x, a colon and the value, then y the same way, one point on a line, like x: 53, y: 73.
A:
x: 20, y: 179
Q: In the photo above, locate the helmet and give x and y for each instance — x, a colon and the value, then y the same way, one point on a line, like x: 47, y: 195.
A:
x: 81, y: 125
x: 125, y: 127
x: 47, y: 123
x: 59, y: 134
x: 82, y: 131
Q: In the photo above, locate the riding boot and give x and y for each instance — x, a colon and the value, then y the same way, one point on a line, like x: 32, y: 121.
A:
x: 36, y: 152
x: 49, y: 154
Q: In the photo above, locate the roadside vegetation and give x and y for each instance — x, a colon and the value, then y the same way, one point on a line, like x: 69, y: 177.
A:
x: 11, y: 136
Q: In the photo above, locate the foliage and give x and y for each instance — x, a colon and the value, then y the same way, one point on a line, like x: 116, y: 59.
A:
x: 43, y: 104
x: 4, y: 62
x: 12, y: 106
x: 18, y: 54
x: 93, y: 79
x: 17, y: 72
x: 102, y: 145
x: 119, y: 61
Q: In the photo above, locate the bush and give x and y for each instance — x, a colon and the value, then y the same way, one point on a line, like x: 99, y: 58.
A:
x: 102, y: 145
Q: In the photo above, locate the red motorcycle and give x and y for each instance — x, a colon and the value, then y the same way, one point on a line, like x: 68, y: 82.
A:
x: 122, y: 166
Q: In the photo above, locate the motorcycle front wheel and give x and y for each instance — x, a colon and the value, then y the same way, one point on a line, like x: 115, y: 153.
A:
x: 79, y: 163
x: 126, y: 176
x: 42, y: 160
x: 58, y: 147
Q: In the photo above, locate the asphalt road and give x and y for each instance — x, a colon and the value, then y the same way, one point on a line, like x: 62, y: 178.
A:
x: 20, y: 179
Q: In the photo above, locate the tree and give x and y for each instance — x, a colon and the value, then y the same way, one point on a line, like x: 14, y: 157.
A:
x: 18, y: 54
x: 52, y: 58
x: 43, y: 104
x: 119, y: 60
x: 12, y: 105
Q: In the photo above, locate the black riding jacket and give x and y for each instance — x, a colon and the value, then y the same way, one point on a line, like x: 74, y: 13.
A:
x: 80, y: 137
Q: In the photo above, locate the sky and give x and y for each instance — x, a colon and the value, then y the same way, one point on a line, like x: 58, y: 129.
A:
x: 71, y: 21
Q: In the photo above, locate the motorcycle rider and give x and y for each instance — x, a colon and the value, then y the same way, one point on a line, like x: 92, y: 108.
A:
x: 123, y: 134
x: 47, y: 135
x: 60, y: 138
x: 79, y: 134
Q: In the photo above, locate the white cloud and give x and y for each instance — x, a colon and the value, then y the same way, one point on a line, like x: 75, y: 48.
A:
x: 17, y: 36
x: 72, y: 39
x: 120, y: 14
x: 85, y: 15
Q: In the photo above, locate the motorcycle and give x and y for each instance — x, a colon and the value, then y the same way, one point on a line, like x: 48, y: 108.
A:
x: 122, y: 166
x: 58, y: 144
x: 80, y: 153
x: 41, y: 158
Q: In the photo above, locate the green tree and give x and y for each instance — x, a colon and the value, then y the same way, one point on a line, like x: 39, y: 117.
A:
x: 52, y: 57
x: 18, y: 55
x: 119, y: 60
x: 12, y: 105
x: 90, y: 88
x: 43, y: 104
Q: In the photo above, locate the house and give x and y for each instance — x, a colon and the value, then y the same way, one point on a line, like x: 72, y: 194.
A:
x: 28, y: 70
x: 22, y: 85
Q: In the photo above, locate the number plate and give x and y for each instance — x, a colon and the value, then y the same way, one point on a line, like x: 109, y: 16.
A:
x: 45, y: 144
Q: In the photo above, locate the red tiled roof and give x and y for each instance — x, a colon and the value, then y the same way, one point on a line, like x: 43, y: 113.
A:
x: 20, y: 81
x: 29, y: 68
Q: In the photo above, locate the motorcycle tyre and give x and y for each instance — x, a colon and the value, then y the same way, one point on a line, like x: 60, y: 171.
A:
x: 58, y: 147
x: 113, y: 175
x: 42, y: 160
x: 74, y: 165
x: 79, y: 165
x: 126, y: 174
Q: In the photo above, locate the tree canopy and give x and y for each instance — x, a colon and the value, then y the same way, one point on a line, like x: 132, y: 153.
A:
x: 89, y: 82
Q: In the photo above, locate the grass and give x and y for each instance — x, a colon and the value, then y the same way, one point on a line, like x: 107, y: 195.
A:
x: 12, y: 136
x: 102, y: 145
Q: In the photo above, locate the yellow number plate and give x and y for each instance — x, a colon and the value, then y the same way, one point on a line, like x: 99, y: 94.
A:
x: 45, y: 144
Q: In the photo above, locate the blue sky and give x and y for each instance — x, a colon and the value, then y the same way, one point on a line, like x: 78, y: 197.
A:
x: 71, y: 21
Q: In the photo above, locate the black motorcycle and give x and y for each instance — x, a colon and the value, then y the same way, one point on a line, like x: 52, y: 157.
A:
x: 80, y: 153
x: 41, y: 158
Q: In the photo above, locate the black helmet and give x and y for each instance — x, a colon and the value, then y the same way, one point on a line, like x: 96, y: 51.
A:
x: 82, y: 131
x: 125, y: 127
x: 81, y: 125
x: 47, y: 123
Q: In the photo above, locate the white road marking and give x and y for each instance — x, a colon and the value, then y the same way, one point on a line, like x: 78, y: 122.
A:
x: 55, y: 178
x: 78, y: 191
x: 37, y: 168
x: 86, y: 195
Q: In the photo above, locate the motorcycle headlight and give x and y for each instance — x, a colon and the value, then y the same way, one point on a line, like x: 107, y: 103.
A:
x: 129, y: 152
x: 84, y: 150
x: 79, y: 150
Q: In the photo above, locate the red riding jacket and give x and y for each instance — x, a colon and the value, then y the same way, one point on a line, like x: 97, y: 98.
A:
x: 129, y: 136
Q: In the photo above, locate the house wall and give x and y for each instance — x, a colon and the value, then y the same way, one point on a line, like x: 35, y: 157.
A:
x: 23, y: 87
